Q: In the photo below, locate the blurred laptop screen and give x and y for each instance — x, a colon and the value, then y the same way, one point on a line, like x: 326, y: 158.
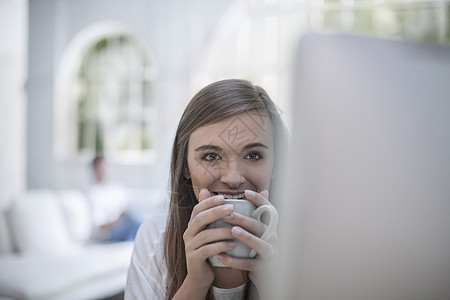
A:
x: 366, y: 214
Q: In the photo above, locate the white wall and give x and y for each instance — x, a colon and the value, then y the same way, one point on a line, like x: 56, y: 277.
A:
x: 175, y: 31
x: 13, y: 36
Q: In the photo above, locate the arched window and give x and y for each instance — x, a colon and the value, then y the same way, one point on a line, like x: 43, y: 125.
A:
x: 108, y: 102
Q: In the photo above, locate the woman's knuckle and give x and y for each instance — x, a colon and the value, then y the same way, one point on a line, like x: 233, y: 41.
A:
x: 203, y: 252
x: 185, y: 236
x: 188, y: 246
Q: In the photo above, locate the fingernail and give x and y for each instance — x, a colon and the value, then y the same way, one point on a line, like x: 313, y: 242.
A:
x: 249, y: 193
x: 229, y: 217
x: 203, y: 192
x: 228, y: 207
x: 236, y: 230
x: 219, y: 256
x: 218, y: 199
x: 232, y: 244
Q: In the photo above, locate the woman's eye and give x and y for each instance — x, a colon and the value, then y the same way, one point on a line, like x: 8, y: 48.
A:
x: 254, y: 156
x: 210, y: 157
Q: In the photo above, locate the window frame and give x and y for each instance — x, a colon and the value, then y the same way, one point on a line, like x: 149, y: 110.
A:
x: 65, y: 139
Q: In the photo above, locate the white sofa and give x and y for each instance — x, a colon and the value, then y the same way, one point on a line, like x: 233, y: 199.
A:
x: 46, y: 251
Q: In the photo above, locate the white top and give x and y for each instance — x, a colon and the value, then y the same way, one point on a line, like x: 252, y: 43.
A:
x: 108, y: 202
x: 147, y: 275
x: 236, y: 293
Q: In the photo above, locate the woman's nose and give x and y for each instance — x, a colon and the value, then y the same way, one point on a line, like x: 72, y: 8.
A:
x: 232, y: 175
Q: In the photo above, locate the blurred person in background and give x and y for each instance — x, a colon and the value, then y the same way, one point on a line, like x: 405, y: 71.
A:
x: 108, y: 200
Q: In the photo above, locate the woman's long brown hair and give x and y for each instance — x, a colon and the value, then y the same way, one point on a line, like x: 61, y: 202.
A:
x: 213, y: 103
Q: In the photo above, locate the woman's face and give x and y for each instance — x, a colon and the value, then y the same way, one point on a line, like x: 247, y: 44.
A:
x: 232, y: 155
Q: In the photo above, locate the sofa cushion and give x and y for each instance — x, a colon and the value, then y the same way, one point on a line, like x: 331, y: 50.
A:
x: 78, y: 214
x: 38, y: 225
x: 91, y: 272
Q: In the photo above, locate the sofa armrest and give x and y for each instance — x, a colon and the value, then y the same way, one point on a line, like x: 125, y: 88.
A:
x: 38, y: 225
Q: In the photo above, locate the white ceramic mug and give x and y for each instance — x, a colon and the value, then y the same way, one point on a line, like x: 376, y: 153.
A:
x: 245, y: 207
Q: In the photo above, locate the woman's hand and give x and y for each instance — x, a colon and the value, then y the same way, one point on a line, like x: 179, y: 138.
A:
x: 200, y: 243
x: 249, y: 230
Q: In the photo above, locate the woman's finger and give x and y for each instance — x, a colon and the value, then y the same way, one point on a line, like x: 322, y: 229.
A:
x: 203, y: 194
x: 250, y: 224
x: 255, y: 265
x: 262, y: 247
x: 244, y: 264
x: 206, y: 202
x: 257, y: 198
x: 202, y: 253
x: 265, y: 194
x: 206, y: 217
x: 208, y: 236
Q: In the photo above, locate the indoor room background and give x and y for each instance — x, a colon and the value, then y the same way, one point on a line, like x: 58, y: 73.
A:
x: 79, y: 78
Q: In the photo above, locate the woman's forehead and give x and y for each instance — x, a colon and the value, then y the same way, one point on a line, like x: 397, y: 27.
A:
x: 236, y: 131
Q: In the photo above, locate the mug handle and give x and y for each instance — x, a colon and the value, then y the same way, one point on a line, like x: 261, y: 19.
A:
x: 257, y: 213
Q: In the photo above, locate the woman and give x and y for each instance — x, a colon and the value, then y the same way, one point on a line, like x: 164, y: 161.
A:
x: 225, y: 146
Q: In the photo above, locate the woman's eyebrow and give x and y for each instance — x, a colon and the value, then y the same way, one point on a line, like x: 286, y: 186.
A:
x: 253, y: 145
x: 208, y: 147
